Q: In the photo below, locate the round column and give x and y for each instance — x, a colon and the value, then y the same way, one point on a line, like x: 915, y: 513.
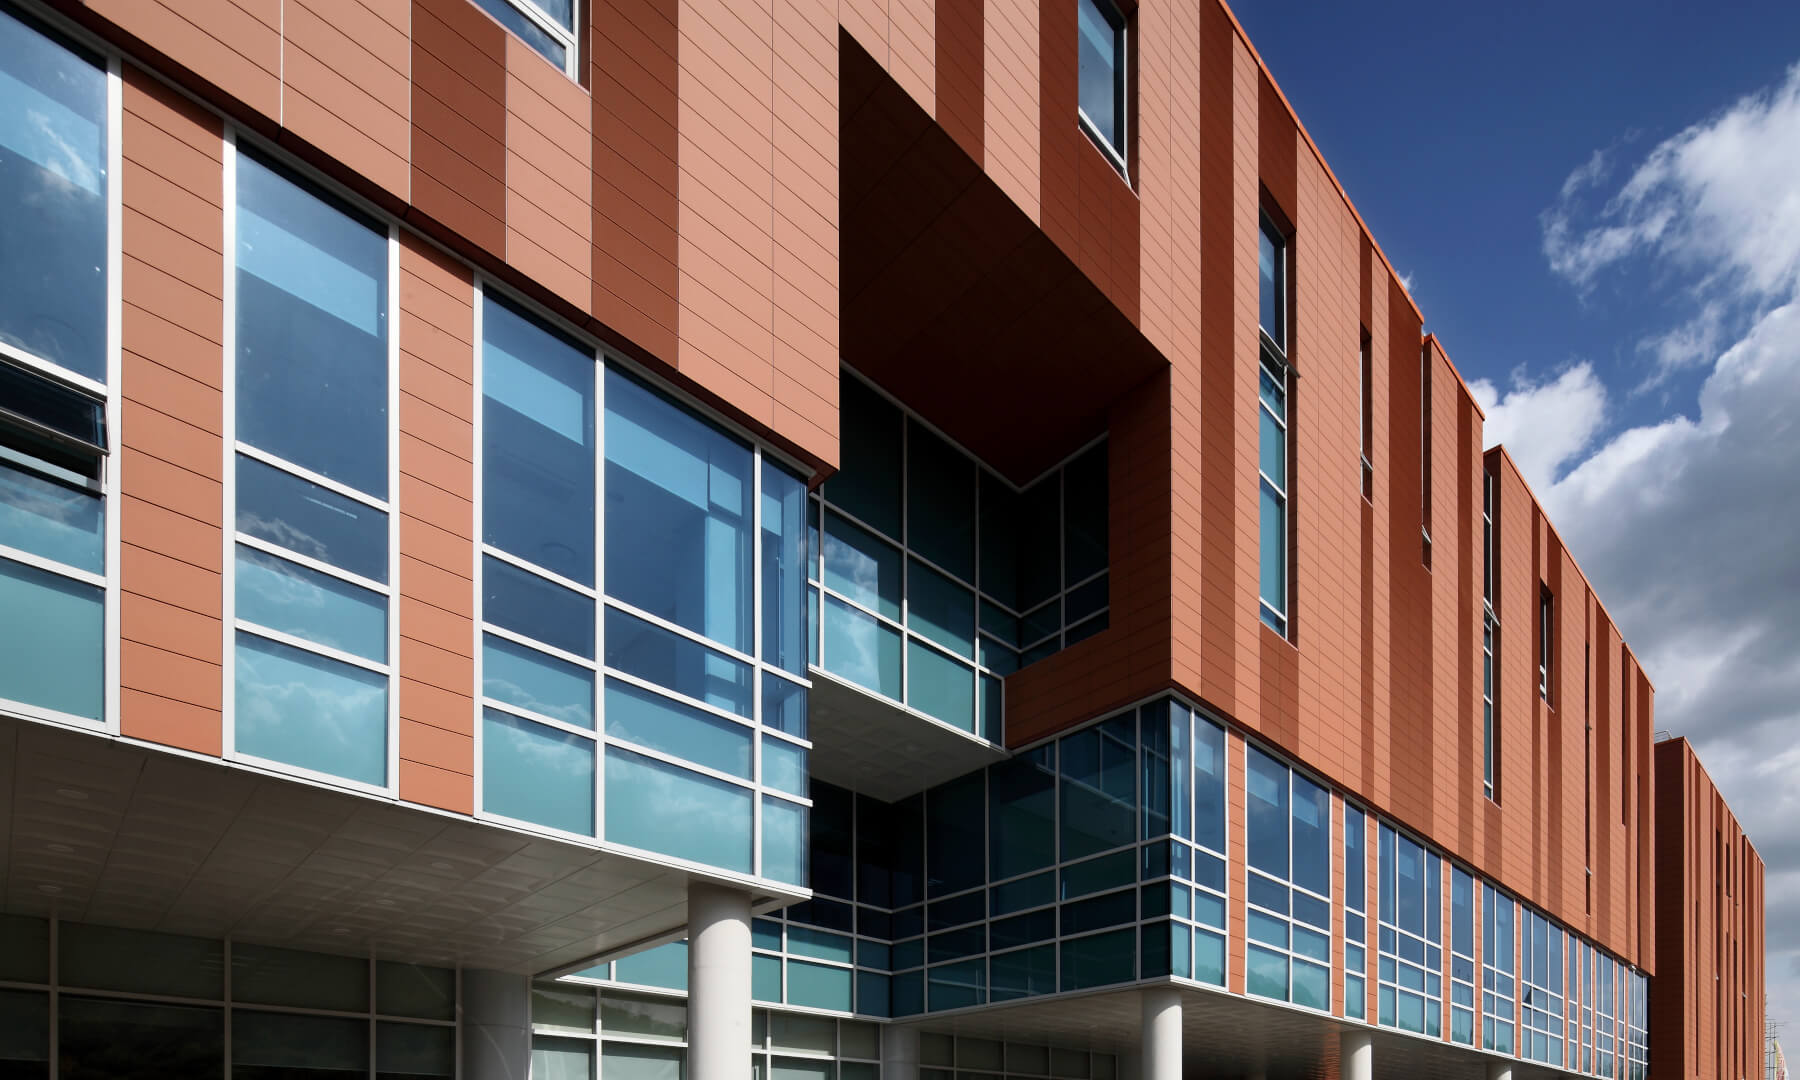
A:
x: 1161, y: 1053
x: 1499, y: 1070
x: 718, y: 982
x: 1356, y: 1056
x: 899, y: 1052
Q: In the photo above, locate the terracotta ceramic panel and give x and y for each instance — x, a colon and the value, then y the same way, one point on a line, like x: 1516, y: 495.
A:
x: 345, y: 85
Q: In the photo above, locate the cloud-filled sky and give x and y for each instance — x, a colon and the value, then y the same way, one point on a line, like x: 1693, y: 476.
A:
x: 1601, y: 218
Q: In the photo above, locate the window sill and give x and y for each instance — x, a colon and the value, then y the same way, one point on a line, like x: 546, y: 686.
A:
x: 1106, y: 148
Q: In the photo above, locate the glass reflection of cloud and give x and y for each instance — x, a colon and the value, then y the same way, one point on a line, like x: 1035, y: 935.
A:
x: 310, y: 711
x: 659, y: 807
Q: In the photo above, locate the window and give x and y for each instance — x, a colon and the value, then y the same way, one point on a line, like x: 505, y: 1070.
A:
x: 1368, y: 421
x: 1462, y: 956
x: 1287, y: 884
x: 548, y: 26
x: 55, y: 413
x: 1490, y: 769
x: 1498, y: 916
x: 1198, y: 772
x: 1101, y: 30
x: 1356, y: 913
x: 623, y: 665
x: 1541, y: 1003
x: 1410, y: 995
x: 1546, y: 639
x: 1272, y: 438
x: 310, y: 411
x: 1425, y: 451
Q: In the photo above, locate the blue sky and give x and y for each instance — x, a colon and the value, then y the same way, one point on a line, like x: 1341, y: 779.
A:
x: 1598, y: 207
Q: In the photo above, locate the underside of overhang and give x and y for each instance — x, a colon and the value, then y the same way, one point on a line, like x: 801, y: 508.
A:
x: 956, y: 302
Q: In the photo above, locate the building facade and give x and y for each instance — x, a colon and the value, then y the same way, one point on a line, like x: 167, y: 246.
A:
x: 911, y: 539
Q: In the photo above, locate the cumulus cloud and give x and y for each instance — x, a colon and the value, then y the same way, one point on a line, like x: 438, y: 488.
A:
x: 1688, y: 524
x: 1544, y: 425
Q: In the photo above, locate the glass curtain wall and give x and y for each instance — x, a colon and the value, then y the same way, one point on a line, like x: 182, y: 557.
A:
x: 312, y: 554
x: 1288, y: 883
x: 936, y: 578
x: 642, y: 605
x: 1410, y: 994
x: 55, y: 175
x: 1462, y: 956
x: 1356, y: 913
x: 1499, y: 915
x: 1541, y: 1003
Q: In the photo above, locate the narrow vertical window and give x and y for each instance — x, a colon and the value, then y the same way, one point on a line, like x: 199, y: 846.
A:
x: 54, y: 435
x: 1462, y: 956
x: 1368, y: 421
x: 1272, y: 457
x: 1101, y: 35
x: 1356, y: 913
x: 1489, y: 757
x: 1409, y: 986
x: 1499, y: 991
x: 1546, y: 639
x: 1288, y: 884
x: 310, y: 416
x: 1425, y: 453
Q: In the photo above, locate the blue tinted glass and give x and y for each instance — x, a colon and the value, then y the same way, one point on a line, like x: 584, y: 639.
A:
x: 784, y: 706
x: 1100, y: 61
x: 290, y: 598
x: 312, y: 325
x: 1023, y: 893
x: 1181, y: 767
x: 867, y: 483
x: 1267, y: 973
x: 49, y: 518
x: 529, y: 679
x: 999, y: 547
x: 52, y: 657
x: 954, y: 986
x: 862, y: 566
x: 784, y: 842
x: 1025, y: 973
x: 309, y: 520
x: 993, y: 709
x: 872, y: 995
x: 1312, y: 986
x: 785, y: 563
x: 1272, y: 524
x: 1266, y: 781
x: 1156, y: 781
x: 524, y: 603
x: 861, y: 649
x: 1099, y: 959
x: 765, y: 983
x: 1271, y: 448
x: 535, y: 773
x: 1312, y: 836
x: 1022, y: 815
x: 678, y: 491
x: 681, y: 664
x: 1099, y: 796
x: 304, y: 710
x: 1272, y: 303
x: 1356, y: 860
x: 537, y: 443
x: 818, y: 944
x: 659, y: 723
x: 1410, y: 885
x: 816, y: 986
x: 509, y: 15
x: 940, y: 609
x: 783, y: 766
x: 1209, y: 784
x: 940, y: 502
x: 939, y: 686
x: 665, y: 966
x: 53, y: 173
x: 661, y: 808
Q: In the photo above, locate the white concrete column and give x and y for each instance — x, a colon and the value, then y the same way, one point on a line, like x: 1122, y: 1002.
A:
x: 718, y: 982
x: 1356, y: 1056
x: 1161, y: 1052
x: 899, y: 1052
x: 496, y: 1025
x: 1499, y: 1070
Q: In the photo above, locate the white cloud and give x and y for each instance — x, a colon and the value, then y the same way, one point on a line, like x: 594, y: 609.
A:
x: 1406, y: 282
x: 1689, y: 524
x: 1544, y: 425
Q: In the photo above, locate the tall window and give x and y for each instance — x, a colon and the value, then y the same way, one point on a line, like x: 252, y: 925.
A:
x: 623, y: 667
x: 1197, y: 817
x: 1546, y: 639
x: 1101, y: 34
x: 1462, y: 956
x: 1368, y: 421
x: 1287, y: 884
x: 1541, y: 1004
x: 1498, y: 991
x: 1411, y: 994
x: 310, y: 419
x: 546, y: 25
x: 1356, y: 913
x: 55, y: 434
x: 1272, y: 437
x: 1425, y: 451
x: 1490, y: 632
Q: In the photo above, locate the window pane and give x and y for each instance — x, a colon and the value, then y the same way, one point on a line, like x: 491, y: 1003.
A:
x: 536, y: 773
x: 1039, y: 561
x: 1100, y: 64
x: 862, y: 566
x: 940, y: 502
x: 24, y: 1034
x: 939, y: 686
x: 1267, y: 810
x: 312, y: 325
x: 658, y: 807
x: 1022, y: 813
x: 309, y: 520
x: 678, y: 490
x: 1312, y: 836
x: 290, y: 598
x: 665, y: 966
x: 56, y: 520
x: 92, y: 957
x: 1085, y: 516
x: 566, y: 1059
x: 413, y: 1050
x: 1266, y: 973
x: 867, y: 483
x: 527, y: 604
x: 529, y: 679
x: 415, y: 990
x: 304, y: 710
x: 1099, y: 797
x: 660, y: 723
x: 1209, y: 784
x: 784, y: 766
x: 1099, y: 959
x: 1272, y: 285
x: 816, y: 986
x: 784, y: 706
x: 940, y: 609
x: 265, y: 975
x: 999, y: 544
x: 537, y: 443
x: 784, y: 568
x: 784, y: 842
x: 507, y: 12
x: 53, y: 174
x: 282, y: 1046
x: 131, y: 1040
x: 53, y: 659
x: 1272, y: 447
x: 861, y: 649
x: 1273, y: 554
x: 681, y: 664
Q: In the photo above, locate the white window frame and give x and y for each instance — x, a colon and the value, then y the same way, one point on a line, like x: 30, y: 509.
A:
x: 390, y: 506
x: 1115, y: 155
x: 1274, y: 618
x: 567, y: 38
